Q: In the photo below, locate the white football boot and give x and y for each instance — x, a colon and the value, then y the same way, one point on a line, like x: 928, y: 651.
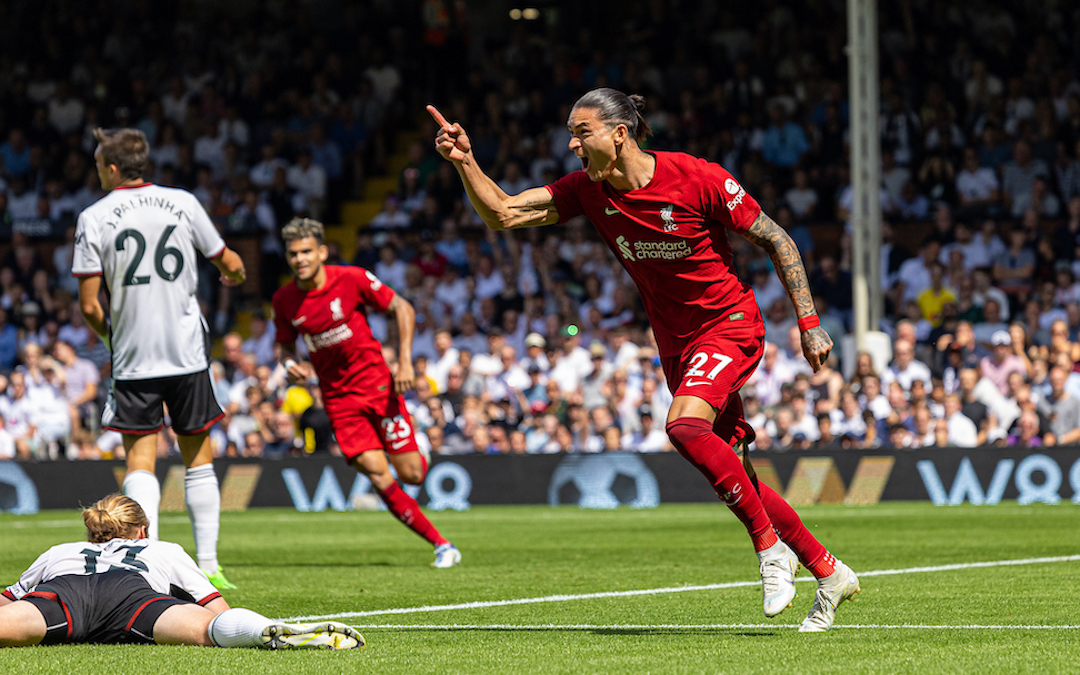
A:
x: 446, y: 555
x: 778, y: 567
x: 325, y: 635
x: 839, y: 586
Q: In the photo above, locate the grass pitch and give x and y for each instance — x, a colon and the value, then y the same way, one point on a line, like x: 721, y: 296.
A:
x: 990, y: 619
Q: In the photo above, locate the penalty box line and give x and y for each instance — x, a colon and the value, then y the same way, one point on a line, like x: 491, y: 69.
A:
x: 484, y: 604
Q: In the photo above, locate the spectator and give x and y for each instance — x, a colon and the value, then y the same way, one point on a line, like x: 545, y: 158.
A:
x: 81, y: 378
x: 1018, y: 178
x: 905, y: 369
x: 933, y: 299
x: 924, y: 429
x: 15, y: 154
x: 770, y: 374
x: 649, y: 438
x: 391, y: 217
x: 309, y: 181
x: 870, y: 397
x: 1027, y: 432
x: 912, y: 206
x: 1013, y: 268
x: 847, y: 420
x: 962, y: 432
x: 977, y: 187
x: 1062, y: 410
x: 784, y: 143
x: 801, y: 198
x: 261, y: 342
x: 913, y: 276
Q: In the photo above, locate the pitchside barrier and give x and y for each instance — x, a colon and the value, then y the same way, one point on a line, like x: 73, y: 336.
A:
x: 944, y: 476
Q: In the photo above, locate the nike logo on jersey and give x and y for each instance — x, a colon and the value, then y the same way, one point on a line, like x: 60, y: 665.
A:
x: 299, y: 320
x: 694, y: 384
x: 610, y: 211
x: 397, y: 445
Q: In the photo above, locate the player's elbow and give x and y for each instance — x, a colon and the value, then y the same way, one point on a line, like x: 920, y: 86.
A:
x: 500, y: 220
x: 88, y: 307
x: 399, y: 306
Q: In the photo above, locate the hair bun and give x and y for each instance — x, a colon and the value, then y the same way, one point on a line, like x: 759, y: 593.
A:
x: 639, y: 102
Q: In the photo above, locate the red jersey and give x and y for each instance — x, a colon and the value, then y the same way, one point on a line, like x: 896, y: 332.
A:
x: 332, y: 320
x: 671, y: 237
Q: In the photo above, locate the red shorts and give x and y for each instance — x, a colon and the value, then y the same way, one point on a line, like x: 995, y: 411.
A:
x: 362, y: 424
x: 715, y: 367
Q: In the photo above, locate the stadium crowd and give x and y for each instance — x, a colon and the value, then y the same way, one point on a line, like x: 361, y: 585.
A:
x: 534, y: 341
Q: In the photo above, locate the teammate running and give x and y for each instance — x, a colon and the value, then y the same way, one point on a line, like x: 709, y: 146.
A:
x: 120, y: 587
x: 665, y: 215
x: 141, y: 239
x: 325, y: 304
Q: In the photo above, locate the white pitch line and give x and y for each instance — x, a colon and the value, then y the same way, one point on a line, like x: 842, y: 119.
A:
x: 483, y: 604
x: 676, y: 626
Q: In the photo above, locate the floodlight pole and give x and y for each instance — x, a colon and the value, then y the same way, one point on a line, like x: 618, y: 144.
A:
x: 868, y: 301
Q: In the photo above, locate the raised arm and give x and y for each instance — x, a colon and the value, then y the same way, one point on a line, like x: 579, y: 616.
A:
x: 767, y: 234
x: 498, y: 210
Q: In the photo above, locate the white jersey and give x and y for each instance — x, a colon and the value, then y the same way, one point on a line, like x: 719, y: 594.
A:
x: 162, y: 563
x: 143, y: 240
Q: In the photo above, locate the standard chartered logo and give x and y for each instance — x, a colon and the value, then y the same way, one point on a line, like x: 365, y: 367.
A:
x: 652, y: 250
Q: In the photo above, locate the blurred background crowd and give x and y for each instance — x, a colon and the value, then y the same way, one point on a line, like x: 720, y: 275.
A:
x: 535, y: 341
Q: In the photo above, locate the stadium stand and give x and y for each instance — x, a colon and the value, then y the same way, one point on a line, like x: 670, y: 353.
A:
x: 534, y: 341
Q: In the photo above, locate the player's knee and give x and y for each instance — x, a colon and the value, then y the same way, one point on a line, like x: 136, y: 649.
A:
x: 684, y: 431
x: 413, y: 475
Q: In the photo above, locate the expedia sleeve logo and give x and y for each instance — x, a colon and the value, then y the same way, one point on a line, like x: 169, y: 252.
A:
x: 736, y: 191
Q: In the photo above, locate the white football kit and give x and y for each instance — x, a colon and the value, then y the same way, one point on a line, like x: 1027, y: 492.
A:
x: 162, y: 563
x: 143, y: 240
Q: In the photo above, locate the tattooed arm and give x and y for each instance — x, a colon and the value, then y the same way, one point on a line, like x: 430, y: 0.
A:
x: 816, y: 343
x: 498, y: 210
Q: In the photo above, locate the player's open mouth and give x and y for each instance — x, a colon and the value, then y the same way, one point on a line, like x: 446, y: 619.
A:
x: 584, y: 163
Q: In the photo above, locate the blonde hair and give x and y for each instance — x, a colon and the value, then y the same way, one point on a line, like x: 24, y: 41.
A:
x: 302, y: 228
x: 114, y: 517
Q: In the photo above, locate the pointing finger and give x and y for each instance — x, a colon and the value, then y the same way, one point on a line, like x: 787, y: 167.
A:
x: 438, y: 117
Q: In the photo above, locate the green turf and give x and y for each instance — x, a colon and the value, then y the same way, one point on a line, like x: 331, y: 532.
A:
x: 290, y: 564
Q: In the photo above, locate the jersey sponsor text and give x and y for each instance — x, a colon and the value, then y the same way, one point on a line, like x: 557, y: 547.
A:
x: 653, y: 250
x: 335, y: 335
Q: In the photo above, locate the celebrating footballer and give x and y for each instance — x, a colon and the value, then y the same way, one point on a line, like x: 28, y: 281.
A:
x: 665, y: 216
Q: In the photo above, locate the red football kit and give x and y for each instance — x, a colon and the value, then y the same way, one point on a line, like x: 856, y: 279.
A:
x: 671, y: 236
x: 357, y: 387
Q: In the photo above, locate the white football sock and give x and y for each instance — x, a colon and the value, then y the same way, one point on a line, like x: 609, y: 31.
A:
x: 203, y: 500
x: 143, y: 487
x: 238, y: 627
